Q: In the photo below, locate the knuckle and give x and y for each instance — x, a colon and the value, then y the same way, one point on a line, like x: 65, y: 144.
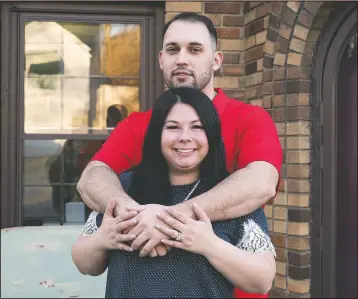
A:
x: 145, y: 251
x: 135, y: 245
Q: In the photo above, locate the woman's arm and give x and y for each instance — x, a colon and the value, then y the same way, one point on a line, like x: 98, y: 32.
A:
x: 249, y: 266
x: 90, y: 251
x: 252, y: 272
x: 89, y: 255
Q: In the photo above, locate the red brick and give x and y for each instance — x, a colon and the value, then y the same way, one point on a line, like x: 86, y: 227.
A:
x: 263, y: 10
x: 228, y: 32
x: 234, y: 20
x: 220, y: 7
x: 231, y: 58
x: 277, y: 7
x: 254, y: 53
x: 233, y: 70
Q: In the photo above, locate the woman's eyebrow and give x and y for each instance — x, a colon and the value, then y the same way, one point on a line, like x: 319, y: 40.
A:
x: 176, y: 122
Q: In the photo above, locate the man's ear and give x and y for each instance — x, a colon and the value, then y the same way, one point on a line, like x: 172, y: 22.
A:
x: 160, y: 59
x: 218, y: 60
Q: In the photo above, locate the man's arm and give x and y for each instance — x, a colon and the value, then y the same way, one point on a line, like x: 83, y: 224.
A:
x: 99, y: 181
x: 239, y: 194
x: 99, y: 184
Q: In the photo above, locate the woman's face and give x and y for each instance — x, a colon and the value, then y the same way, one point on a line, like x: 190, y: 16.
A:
x: 184, y: 143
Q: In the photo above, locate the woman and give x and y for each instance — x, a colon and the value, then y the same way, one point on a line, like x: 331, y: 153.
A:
x: 183, y: 156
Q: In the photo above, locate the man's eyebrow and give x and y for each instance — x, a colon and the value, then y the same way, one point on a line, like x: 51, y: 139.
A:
x: 195, y: 44
x: 190, y: 44
x: 171, y: 44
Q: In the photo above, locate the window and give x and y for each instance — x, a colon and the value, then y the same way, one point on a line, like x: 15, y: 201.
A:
x: 77, y: 69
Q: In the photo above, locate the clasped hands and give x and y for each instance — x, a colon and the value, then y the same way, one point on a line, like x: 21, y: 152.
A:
x: 152, y: 229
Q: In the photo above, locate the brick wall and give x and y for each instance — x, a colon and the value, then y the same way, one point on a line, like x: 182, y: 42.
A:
x: 268, y: 49
x: 280, y: 38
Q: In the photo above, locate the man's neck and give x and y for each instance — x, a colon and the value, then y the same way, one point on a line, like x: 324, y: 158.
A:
x: 211, y: 93
x: 209, y: 90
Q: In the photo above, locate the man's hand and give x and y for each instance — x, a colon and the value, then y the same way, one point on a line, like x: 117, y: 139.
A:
x: 123, y: 207
x: 110, y: 233
x: 147, y: 234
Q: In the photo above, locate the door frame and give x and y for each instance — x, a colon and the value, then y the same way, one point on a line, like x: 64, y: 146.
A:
x: 332, y: 43
x: 11, y: 91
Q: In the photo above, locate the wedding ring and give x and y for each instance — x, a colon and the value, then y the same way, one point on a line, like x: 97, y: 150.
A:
x: 178, y: 238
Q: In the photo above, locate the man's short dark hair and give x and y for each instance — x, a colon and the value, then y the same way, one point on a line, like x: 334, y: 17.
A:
x: 194, y: 17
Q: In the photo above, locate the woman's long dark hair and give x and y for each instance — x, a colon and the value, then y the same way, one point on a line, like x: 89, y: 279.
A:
x: 151, y: 182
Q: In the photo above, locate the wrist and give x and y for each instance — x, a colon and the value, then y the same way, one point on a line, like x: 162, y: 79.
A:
x: 98, y: 243
x: 186, y: 208
x: 213, y: 247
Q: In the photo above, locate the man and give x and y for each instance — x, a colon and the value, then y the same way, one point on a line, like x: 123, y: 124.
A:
x: 189, y: 58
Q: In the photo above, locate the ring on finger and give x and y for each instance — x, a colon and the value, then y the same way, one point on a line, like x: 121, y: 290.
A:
x: 178, y: 237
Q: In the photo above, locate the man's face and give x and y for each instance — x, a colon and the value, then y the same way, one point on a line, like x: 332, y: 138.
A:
x: 188, y: 57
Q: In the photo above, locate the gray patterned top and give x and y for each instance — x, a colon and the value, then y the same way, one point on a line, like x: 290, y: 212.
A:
x: 179, y: 274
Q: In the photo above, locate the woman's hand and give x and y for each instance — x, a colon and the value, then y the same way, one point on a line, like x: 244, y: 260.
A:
x: 110, y: 233
x: 188, y: 234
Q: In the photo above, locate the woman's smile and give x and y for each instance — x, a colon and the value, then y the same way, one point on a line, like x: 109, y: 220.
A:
x: 185, y: 152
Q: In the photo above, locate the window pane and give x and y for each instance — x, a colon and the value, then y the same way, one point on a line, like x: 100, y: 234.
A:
x: 42, y: 104
x: 119, y: 95
x: 79, y: 98
x: 75, y: 210
x: 122, y: 50
x: 76, y: 155
x: 41, y: 202
x: 50, y: 204
x: 42, y: 161
x: 75, y: 72
x: 43, y: 32
x: 48, y: 162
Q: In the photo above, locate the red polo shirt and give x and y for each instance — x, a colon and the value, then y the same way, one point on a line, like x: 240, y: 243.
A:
x: 248, y: 132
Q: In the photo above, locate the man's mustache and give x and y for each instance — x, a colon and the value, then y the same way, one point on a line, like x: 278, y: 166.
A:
x: 182, y: 71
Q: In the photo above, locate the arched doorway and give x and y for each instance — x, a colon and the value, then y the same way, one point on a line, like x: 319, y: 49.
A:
x: 334, y: 202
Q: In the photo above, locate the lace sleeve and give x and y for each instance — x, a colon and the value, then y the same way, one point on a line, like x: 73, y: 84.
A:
x: 91, y: 225
x: 254, y: 239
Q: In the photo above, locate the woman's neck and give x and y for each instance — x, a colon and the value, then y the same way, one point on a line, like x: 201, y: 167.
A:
x: 183, y: 178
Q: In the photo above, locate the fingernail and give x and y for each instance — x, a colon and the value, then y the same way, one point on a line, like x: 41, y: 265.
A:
x: 130, y: 249
x: 158, y: 214
x: 133, y: 236
x: 134, y: 220
x: 157, y: 226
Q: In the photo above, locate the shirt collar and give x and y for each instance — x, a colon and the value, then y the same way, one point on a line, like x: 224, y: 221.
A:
x: 220, y: 101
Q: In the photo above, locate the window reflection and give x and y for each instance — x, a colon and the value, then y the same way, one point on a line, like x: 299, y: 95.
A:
x: 74, y: 72
x: 52, y: 169
x: 40, y: 156
x: 38, y: 204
